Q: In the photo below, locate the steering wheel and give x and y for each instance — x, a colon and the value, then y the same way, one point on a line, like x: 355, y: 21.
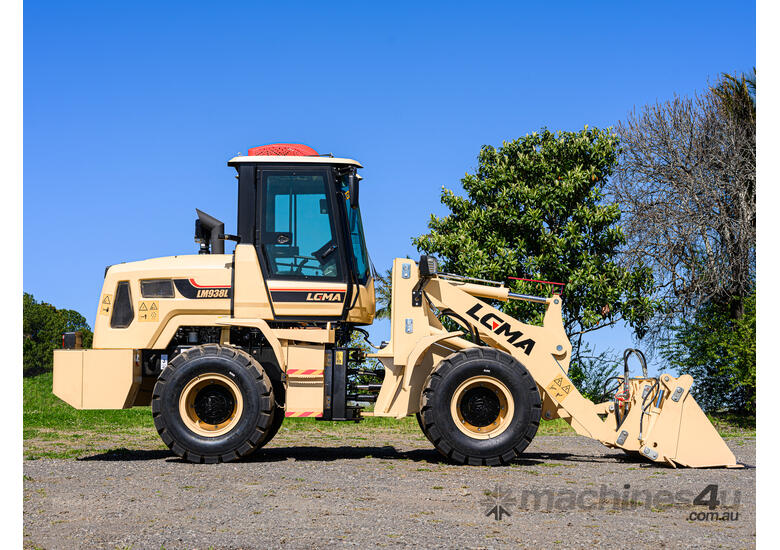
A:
x: 324, y: 251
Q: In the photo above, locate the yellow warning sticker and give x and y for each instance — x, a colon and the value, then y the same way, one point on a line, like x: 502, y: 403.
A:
x: 105, y: 304
x: 559, y: 389
x: 149, y: 311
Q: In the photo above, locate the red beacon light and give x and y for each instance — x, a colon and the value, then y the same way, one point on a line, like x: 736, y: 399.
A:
x: 284, y: 150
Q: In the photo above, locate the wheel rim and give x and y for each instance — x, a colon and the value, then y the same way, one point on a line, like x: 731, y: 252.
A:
x: 211, y: 404
x: 482, y: 407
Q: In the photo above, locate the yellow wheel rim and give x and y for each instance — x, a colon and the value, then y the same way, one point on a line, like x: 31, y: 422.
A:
x: 482, y: 407
x: 210, y: 404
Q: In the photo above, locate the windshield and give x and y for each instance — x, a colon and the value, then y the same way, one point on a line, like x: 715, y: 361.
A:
x: 355, y: 228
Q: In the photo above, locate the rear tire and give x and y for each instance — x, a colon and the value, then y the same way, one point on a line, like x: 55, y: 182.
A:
x: 276, y: 423
x: 274, y: 374
x: 212, y: 404
x: 480, y: 406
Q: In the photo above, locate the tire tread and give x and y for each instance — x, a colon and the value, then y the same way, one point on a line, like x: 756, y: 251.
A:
x: 244, y: 360
x: 428, y: 421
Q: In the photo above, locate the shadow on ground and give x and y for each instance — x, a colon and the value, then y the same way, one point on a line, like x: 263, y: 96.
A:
x: 128, y: 455
x: 385, y: 452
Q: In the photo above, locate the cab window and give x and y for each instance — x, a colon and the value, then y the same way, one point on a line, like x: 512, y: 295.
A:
x: 356, y: 238
x: 297, y: 231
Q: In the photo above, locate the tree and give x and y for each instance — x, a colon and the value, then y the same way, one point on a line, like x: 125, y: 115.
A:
x: 737, y: 96
x: 687, y: 185
x: 42, y: 328
x: 720, y: 353
x: 535, y: 208
x: 591, y: 370
x: 383, y: 284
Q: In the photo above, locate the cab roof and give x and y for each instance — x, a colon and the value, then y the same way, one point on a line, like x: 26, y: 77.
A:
x: 286, y: 159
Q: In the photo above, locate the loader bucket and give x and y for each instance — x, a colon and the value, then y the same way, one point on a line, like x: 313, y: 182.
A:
x: 698, y: 443
x: 678, y: 431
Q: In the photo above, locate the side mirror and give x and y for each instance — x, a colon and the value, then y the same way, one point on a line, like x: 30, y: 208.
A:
x: 353, y: 181
x: 207, y: 232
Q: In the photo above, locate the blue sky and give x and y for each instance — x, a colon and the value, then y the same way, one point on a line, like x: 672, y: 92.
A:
x: 131, y: 110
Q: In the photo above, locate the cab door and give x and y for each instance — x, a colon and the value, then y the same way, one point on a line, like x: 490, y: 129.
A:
x: 299, y: 243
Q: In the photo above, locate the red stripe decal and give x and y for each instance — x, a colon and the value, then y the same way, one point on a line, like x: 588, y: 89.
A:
x: 311, y: 414
x: 304, y: 289
x: 196, y: 285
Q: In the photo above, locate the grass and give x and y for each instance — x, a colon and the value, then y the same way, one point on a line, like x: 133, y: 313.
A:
x: 734, y: 425
x: 43, y: 410
x: 45, y: 416
x: 64, y: 429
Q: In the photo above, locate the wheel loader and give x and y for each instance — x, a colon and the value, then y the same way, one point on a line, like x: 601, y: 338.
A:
x: 224, y: 347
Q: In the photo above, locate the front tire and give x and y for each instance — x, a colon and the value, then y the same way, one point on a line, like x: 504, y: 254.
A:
x: 480, y: 406
x: 212, y: 404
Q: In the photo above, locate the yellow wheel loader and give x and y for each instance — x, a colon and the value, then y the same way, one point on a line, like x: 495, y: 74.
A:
x: 225, y: 346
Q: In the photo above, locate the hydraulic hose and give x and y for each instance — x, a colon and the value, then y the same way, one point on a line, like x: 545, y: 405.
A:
x: 640, y: 356
x: 365, y: 336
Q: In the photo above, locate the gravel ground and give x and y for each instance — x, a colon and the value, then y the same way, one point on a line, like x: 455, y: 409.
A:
x: 310, y: 490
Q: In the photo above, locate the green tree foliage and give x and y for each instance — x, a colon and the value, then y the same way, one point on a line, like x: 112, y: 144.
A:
x: 591, y: 370
x: 535, y: 208
x: 737, y: 95
x: 42, y: 328
x: 383, y: 284
x: 720, y: 353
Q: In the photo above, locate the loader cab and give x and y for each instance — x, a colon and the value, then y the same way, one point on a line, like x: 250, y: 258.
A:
x: 301, y: 215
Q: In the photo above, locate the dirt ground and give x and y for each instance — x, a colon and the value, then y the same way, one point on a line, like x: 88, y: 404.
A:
x: 315, y: 490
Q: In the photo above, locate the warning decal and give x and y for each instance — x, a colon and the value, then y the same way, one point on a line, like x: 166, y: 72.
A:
x: 559, y: 388
x: 105, y: 304
x: 149, y: 311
